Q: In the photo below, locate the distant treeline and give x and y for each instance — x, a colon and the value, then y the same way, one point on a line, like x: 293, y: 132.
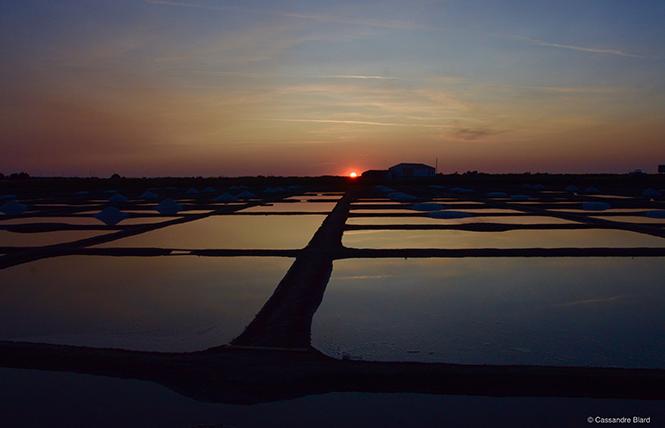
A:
x: 22, y: 183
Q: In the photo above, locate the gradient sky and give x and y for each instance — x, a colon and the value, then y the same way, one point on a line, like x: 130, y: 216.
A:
x: 215, y: 87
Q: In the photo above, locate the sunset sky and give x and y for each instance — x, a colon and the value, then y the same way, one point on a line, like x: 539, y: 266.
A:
x: 216, y: 87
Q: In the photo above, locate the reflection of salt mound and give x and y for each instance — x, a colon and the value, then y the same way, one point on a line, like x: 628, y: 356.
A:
x: 461, y: 190
x: 168, y: 207
x: 401, y: 197
x: 209, y: 189
x: 572, y: 189
x: 149, y: 196
x: 449, y: 214
x: 655, y: 214
x: 192, y: 191
x: 426, y: 207
x: 246, y: 195
x: 118, y: 198
x: 519, y: 197
x: 225, y: 197
x: 651, y: 193
x: 111, y: 216
x: 595, y: 206
x: 497, y: 195
x: 13, y: 208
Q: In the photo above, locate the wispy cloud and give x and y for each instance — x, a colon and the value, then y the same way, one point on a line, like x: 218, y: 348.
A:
x: 586, y: 49
x: 358, y: 76
x: 575, y: 89
x: 188, y: 4
x: 368, y: 22
x: 359, y: 122
x: 474, y: 133
x: 592, y: 301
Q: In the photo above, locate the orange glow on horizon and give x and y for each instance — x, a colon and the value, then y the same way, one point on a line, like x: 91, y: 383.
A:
x: 353, y: 174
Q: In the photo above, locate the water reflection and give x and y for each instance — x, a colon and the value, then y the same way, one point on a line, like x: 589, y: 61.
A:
x: 609, y: 210
x: 91, y: 221
x: 14, y: 239
x: 230, y: 231
x: 427, y: 220
x: 582, y: 238
x: 599, y: 312
x: 292, y: 206
x: 314, y: 197
x: 163, y: 303
x: 633, y: 219
x: 404, y: 208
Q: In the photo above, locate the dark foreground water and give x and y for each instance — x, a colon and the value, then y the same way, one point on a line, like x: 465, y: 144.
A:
x: 552, y: 311
x: 36, y: 399
x: 182, y: 303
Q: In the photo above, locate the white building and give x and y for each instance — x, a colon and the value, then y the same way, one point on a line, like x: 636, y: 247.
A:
x: 405, y: 170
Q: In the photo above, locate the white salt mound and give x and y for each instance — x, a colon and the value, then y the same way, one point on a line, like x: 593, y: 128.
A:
x: 111, y: 216
x: 13, y: 208
x: 168, y: 207
x: 401, y: 197
x: 225, y: 197
x: 246, y: 195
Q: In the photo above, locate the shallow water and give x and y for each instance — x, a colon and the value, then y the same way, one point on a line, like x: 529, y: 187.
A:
x: 539, y: 202
x: 451, y: 201
x: 609, y: 210
x: 230, y: 231
x: 633, y: 219
x: 491, y: 210
x: 405, y: 209
x: 182, y: 303
x: 84, y: 220
x: 555, y: 311
x: 14, y: 239
x: 582, y: 238
x: 292, y: 206
x: 313, y: 197
x: 608, y: 196
x: 427, y: 220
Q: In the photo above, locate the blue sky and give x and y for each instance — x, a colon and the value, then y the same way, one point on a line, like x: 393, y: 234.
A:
x: 213, y: 87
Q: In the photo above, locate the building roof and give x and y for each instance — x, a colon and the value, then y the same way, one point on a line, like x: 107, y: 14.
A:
x: 411, y: 165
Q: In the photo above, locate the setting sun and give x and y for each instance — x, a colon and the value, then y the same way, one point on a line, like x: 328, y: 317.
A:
x: 353, y: 174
